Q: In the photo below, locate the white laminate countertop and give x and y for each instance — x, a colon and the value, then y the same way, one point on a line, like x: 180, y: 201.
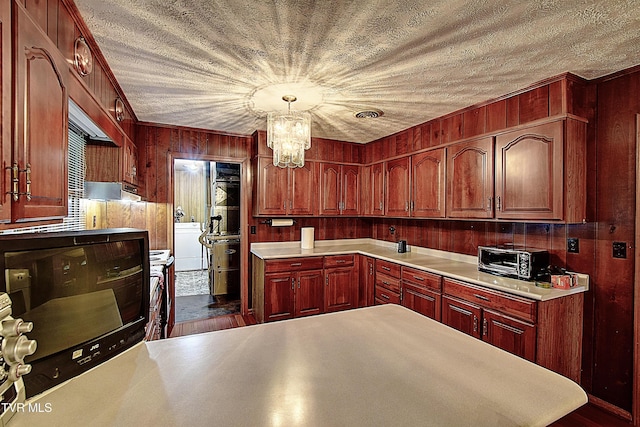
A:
x: 384, y: 365
x: 448, y: 264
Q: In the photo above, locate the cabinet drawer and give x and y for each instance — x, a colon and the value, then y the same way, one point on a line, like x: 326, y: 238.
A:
x: 422, y: 278
x: 338, y: 261
x: 388, y: 282
x: 293, y: 264
x: 385, y: 296
x: 508, y: 304
x: 388, y: 268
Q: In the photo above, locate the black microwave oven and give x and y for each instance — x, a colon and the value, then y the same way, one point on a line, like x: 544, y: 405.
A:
x: 512, y: 261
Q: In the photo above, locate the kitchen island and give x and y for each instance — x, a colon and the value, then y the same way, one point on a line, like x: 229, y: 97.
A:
x: 382, y: 365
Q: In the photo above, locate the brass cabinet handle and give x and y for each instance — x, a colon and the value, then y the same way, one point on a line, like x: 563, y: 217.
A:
x: 14, y: 180
x: 28, y: 172
x: 293, y: 283
x: 384, y: 296
x: 475, y: 324
x: 489, y: 204
x: 484, y: 327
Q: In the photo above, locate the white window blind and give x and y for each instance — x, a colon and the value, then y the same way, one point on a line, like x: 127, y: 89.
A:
x: 75, y: 218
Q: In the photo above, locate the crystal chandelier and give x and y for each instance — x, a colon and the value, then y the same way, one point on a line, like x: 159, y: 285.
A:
x: 288, y: 135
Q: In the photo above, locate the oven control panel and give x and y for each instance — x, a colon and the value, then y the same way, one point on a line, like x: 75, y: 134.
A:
x: 14, y: 347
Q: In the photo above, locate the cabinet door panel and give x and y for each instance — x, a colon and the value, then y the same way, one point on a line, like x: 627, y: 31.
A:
x: 367, y: 281
x: 309, y: 293
x: 303, y: 190
x: 330, y: 184
x: 41, y: 124
x: 340, y: 289
x: 398, y: 187
x: 377, y: 189
x: 350, y: 190
x: 421, y: 300
x: 462, y: 316
x: 272, y: 188
x: 428, y: 184
x: 470, y: 179
x: 278, y: 296
x: 529, y: 173
x: 510, y: 334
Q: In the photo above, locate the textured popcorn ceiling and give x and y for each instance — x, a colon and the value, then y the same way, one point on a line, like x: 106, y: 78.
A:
x: 222, y: 64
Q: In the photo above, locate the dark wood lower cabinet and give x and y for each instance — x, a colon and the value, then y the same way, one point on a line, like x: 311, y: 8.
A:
x: 309, y: 298
x: 462, y: 316
x: 509, y: 334
x: 422, y: 292
x: 279, y: 296
x: 340, y: 289
x: 421, y: 300
x: 548, y: 333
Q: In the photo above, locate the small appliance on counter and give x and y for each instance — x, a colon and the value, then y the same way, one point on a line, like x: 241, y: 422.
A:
x: 14, y: 348
x: 513, y: 261
x: 402, y: 246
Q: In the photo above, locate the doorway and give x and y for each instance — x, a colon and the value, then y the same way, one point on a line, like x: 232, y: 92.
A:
x: 207, y: 239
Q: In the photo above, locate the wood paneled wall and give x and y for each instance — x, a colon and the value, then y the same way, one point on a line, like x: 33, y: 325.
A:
x: 152, y: 217
x: 607, y: 356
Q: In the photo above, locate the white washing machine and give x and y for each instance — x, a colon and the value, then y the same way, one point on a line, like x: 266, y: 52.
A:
x: 189, y: 253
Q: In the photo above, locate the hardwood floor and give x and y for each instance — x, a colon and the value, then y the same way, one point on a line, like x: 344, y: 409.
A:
x: 591, y: 416
x: 587, y: 416
x: 212, y: 324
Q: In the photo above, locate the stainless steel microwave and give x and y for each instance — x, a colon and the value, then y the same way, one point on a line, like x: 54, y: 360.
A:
x: 511, y: 261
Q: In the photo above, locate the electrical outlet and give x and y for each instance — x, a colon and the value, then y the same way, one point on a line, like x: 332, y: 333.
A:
x: 573, y: 245
x: 619, y: 250
x: 253, y: 229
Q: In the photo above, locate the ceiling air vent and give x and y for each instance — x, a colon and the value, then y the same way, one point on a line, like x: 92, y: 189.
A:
x: 368, y: 114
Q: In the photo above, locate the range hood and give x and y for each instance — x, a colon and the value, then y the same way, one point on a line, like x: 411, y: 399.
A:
x: 110, y: 191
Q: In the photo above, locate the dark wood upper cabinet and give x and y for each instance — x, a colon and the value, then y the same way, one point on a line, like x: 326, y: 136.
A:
x: 5, y: 109
x: 375, y: 189
x: 470, y: 179
x: 303, y: 192
x: 529, y: 173
x: 330, y: 189
x: 339, y: 189
x: 273, y: 188
x: 351, y: 190
x: 398, y: 194
x: 285, y: 191
x: 41, y: 123
x: 428, y: 184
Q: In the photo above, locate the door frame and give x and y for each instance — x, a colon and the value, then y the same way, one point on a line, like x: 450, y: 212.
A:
x: 635, y: 409
x: 245, y: 187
